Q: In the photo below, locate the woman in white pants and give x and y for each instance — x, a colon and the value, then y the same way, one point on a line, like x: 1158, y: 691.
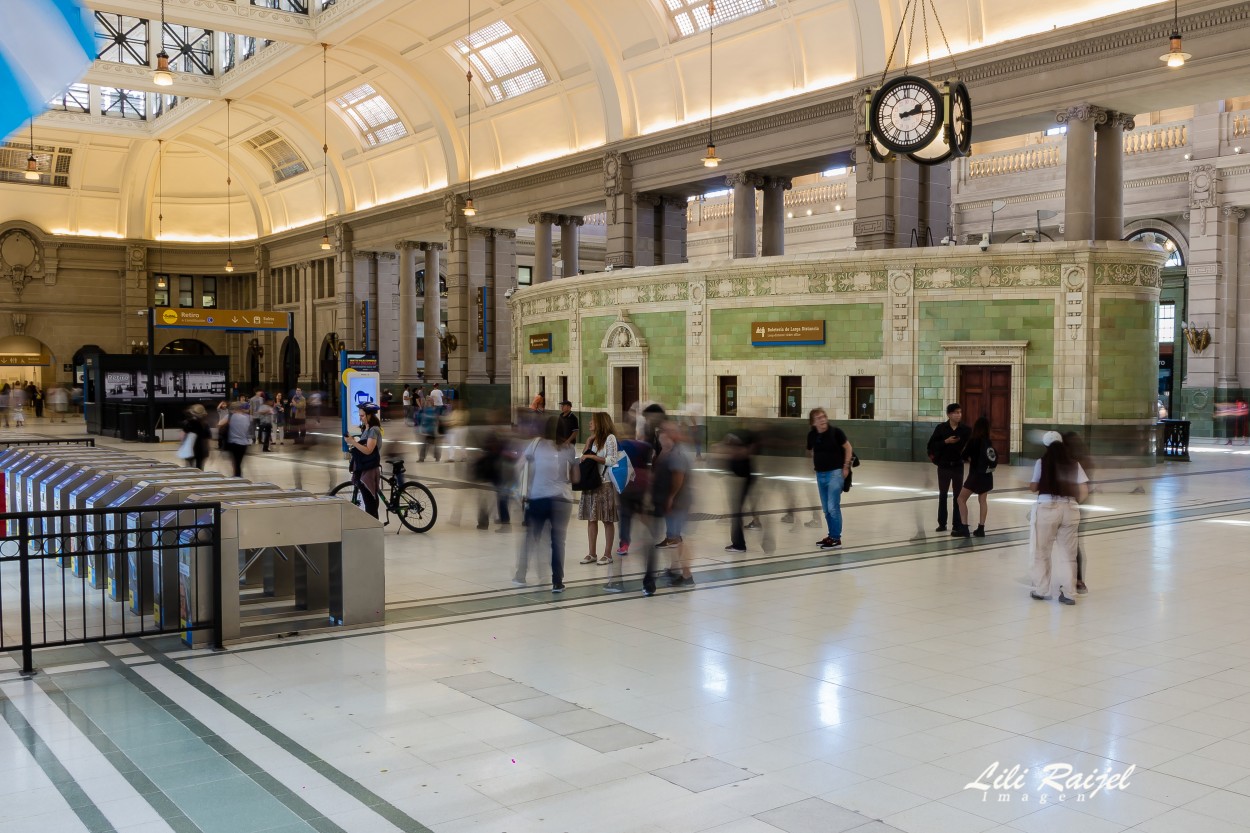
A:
x: 1060, y: 484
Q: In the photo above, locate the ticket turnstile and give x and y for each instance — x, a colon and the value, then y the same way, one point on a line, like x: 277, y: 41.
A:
x: 86, y: 556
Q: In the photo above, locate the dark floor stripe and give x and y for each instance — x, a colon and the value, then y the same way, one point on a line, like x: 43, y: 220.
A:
x: 88, y: 811
x: 127, y: 768
x: 301, y: 753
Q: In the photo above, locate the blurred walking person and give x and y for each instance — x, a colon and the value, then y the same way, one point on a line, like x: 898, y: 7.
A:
x: 546, y: 465
x: 1060, y: 484
x: 427, y: 430
x: 238, y: 431
x: 299, y: 416
x: 671, y: 499
x: 1079, y: 452
x: 263, y: 417
x: 488, y: 471
x: 739, y: 448
x: 196, y: 425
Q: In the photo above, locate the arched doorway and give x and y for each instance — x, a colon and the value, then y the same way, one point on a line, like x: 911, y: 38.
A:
x: 329, y: 367
x: 289, y: 357
x: 1173, y: 299
x: 25, y: 360
x: 187, y: 347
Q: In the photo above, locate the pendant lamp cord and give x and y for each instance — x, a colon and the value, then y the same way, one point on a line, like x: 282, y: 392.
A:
x: 229, y: 213
x: 325, y: 145
x: 468, y: 76
x: 711, y: 28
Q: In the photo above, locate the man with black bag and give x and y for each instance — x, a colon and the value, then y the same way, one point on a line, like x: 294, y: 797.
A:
x: 946, y: 448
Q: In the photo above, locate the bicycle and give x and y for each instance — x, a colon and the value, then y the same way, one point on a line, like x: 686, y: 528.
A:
x: 408, y: 500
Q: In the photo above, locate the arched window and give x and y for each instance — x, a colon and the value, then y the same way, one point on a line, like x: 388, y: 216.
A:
x: 372, y: 116
x: 1159, y: 238
x: 502, y: 61
x: 691, y: 17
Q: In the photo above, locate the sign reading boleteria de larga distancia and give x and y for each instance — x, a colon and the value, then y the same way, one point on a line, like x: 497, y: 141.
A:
x: 781, y: 333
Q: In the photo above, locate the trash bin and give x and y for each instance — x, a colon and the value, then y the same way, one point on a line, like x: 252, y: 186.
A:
x: 128, y: 426
x: 1174, y: 439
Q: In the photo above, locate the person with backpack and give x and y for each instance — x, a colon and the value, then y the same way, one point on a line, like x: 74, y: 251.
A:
x: 366, y: 457
x: 982, y: 460
x: 1060, y: 484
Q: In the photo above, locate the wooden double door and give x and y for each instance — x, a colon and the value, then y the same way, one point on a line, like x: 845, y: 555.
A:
x: 985, y: 390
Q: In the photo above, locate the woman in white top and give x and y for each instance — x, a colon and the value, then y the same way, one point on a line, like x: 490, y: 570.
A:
x: 1061, y: 484
x: 547, y: 503
x: 599, y: 505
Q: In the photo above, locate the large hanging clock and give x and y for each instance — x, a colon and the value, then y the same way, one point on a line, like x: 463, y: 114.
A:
x: 906, y: 114
x: 961, y: 118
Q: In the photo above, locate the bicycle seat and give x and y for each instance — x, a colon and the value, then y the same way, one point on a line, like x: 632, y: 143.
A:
x: 398, y: 461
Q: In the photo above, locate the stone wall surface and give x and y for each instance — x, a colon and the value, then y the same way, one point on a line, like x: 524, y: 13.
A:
x: 1074, y: 320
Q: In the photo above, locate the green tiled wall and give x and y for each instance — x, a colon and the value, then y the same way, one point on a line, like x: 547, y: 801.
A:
x: 665, y: 334
x: 1128, y: 358
x: 1031, y: 319
x: 852, y: 331
x: 559, y: 343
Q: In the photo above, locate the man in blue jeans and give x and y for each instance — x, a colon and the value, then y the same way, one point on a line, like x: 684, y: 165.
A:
x: 830, y: 451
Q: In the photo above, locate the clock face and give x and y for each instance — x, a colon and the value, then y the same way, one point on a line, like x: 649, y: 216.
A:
x: 961, y: 118
x: 879, y: 152
x: 906, y: 114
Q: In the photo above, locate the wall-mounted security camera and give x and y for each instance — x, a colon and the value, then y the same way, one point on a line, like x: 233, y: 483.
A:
x: 985, y: 242
x: 508, y: 293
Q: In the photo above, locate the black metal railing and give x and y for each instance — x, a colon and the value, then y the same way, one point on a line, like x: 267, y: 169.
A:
x: 90, y: 575
x: 85, y: 441
x: 1173, y: 439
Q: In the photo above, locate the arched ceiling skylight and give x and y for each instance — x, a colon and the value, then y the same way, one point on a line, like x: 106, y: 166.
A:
x: 690, y: 16
x: 371, y: 115
x: 502, y: 61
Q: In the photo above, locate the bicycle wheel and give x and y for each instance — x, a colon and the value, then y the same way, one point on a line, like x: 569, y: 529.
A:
x: 347, y: 491
x: 415, y: 507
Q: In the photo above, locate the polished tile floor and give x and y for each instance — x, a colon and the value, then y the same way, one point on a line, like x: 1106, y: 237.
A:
x: 905, y: 683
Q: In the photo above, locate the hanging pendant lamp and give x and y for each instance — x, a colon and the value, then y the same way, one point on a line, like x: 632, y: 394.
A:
x: 711, y: 160
x: 469, y: 209
x: 1176, y: 55
x: 229, y: 213
x: 162, y: 77
x: 32, y: 164
x: 325, y: 155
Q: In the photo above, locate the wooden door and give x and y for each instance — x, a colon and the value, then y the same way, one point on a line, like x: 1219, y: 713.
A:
x: 985, y: 390
x: 629, y: 388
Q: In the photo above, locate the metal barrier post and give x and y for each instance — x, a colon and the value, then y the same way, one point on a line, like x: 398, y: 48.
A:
x: 28, y: 651
x: 218, y: 599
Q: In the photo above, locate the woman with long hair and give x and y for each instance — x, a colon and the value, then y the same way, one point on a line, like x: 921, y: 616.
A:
x: 598, y: 506
x: 196, y: 425
x: 1061, y: 484
x: 366, y: 457
x: 982, y: 460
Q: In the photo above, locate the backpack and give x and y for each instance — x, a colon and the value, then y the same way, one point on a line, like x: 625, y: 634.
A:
x: 989, y: 459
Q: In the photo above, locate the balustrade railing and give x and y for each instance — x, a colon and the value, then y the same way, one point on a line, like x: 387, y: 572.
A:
x: 1022, y: 160
x: 1240, y: 126
x: 1155, y: 139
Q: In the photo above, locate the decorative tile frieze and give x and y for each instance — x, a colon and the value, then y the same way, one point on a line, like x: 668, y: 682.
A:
x: 1126, y: 274
x: 985, y: 277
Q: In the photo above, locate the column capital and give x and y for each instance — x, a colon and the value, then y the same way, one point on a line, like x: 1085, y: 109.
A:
x: 744, y: 178
x: 543, y: 217
x: 571, y: 220
x: 1124, y: 121
x: 785, y: 183
x: 362, y: 254
x: 506, y: 233
x: 387, y: 255
x: 406, y: 245
x: 431, y: 247
x: 481, y: 231
x: 1234, y: 212
x: 646, y: 198
x: 670, y: 201
x: 1082, y: 112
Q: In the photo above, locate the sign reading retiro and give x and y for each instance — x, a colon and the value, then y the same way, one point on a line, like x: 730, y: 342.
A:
x: 774, y: 333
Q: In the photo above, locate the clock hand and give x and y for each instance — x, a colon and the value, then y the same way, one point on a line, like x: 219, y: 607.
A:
x: 915, y: 111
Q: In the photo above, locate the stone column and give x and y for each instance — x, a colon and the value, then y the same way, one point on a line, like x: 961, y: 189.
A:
x: 542, y: 246
x: 671, y: 230
x: 1230, y: 288
x: 344, y: 313
x: 744, y: 185
x: 1078, y: 203
x: 407, y: 310
x: 618, y: 191
x: 874, y: 204
x: 1109, y: 177
x: 364, y: 278
x: 457, y: 270
x: 1204, y: 272
x: 774, y: 220
x: 501, y: 276
x: 569, y: 241
x: 475, y: 341
x: 433, y: 352
x: 934, y: 199
x: 645, y: 232
x: 385, y: 302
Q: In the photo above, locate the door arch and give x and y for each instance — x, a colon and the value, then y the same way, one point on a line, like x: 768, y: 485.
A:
x: 328, y: 365
x: 187, y: 347
x: 26, y: 360
x: 289, y: 358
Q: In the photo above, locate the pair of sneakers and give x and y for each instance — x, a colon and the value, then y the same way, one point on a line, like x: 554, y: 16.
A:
x: 829, y: 543
x: 668, y: 543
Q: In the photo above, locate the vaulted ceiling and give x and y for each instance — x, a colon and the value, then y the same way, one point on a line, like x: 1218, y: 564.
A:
x: 551, y: 78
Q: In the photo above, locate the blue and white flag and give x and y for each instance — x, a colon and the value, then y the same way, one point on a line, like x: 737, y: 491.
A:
x: 45, y: 45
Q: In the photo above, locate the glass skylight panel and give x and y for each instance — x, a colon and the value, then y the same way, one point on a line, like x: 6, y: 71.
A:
x: 691, y: 17
x: 373, y: 116
x: 502, y: 61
